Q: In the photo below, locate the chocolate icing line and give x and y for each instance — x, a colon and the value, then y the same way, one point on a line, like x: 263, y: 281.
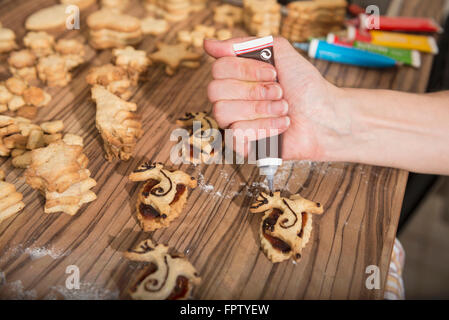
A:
x: 142, y: 249
x: 157, y: 191
x: 154, y: 282
x: 260, y: 202
x: 146, y: 166
x: 187, y: 116
x: 296, y: 217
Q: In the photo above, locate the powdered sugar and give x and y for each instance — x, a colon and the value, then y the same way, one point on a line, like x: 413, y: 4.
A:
x: 15, y: 290
x: 33, y: 252
x: 208, y: 188
x: 87, y: 291
x: 40, y: 252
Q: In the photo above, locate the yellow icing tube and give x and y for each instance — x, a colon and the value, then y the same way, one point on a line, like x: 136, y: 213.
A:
x: 404, y: 41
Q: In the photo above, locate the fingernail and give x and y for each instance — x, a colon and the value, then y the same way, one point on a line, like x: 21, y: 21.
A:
x: 278, y: 108
x: 266, y: 74
x: 274, y: 92
x: 285, y: 103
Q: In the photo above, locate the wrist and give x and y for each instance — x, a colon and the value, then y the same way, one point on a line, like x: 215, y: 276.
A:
x: 348, y: 127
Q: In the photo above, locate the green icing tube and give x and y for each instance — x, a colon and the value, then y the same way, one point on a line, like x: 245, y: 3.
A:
x: 408, y: 57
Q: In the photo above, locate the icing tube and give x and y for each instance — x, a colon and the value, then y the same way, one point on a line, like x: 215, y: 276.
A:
x: 355, y: 34
x: 404, y: 41
x: 335, y: 39
x: 405, y: 56
x: 404, y: 24
x: 319, y: 49
x: 347, y: 38
x: 268, y: 155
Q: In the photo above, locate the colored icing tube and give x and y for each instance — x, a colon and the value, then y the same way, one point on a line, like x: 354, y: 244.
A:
x: 319, y: 49
x: 335, y: 39
x: 405, y: 56
x: 347, y: 37
x: 405, y: 24
x: 404, y: 41
x: 355, y: 34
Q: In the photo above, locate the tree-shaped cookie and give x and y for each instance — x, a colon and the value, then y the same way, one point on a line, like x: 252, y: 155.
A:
x: 118, y: 125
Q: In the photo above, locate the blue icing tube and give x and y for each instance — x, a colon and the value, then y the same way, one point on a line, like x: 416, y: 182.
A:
x: 319, y: 49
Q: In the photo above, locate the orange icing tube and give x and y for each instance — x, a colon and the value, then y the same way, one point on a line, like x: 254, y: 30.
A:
x: 404, y: 41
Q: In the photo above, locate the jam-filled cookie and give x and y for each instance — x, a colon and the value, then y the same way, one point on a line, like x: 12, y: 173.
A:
x: 205, y: 142
x: 169, y: 276
x: 286, y: 224
x: 162, y: 197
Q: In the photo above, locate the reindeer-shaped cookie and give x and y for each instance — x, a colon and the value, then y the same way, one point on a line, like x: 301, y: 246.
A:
x: 204, y: 143
x: 286, y: 224
x: 169, y: 276
x: 162, y: 197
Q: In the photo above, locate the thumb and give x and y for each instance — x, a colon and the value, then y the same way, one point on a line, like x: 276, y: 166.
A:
x: 288, y: 59
x: 218, y: 49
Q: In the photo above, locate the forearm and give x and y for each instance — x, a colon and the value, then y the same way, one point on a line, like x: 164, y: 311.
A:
x: 395, y: 129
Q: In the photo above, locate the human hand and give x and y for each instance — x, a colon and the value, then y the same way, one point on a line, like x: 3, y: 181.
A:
x: 301, y: 105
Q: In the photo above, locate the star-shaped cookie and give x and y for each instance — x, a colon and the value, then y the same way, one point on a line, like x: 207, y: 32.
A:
x: 175, y: 56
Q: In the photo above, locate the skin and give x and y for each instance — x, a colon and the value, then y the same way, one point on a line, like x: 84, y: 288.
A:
x: 322, y: 122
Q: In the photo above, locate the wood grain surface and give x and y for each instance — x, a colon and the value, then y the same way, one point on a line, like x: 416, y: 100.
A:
x: 217, y: 232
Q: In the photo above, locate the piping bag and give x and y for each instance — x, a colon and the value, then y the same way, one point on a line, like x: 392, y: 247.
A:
x: 268, y: 155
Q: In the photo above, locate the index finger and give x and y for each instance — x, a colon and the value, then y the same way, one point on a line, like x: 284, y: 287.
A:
x: 219, y: 49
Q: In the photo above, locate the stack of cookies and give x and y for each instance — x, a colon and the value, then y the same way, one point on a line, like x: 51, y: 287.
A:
x: 171, y: 10
x: 22, y: 64
x: 262, y: 17
x: 40, y: 43
x: 54, y: 71
x: 112, y: 29
x: 197, y: 35
x: 317, y: 18
x: 18, y: 137
x: 113, y: 78
x: 7, y: 40
x: 154, y: 26
x: 16, y: 95
x: 197, y: 5
x: 10, y: 199
x: 54, y: 61
x: 81, y: 4
x: 118, y: 5
x: 133, y: 61
x: 228, y: 15
x: 72, y: 50
x: 59, y: 172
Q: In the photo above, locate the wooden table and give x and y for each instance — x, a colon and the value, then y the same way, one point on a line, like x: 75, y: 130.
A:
x: 216, y: 231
